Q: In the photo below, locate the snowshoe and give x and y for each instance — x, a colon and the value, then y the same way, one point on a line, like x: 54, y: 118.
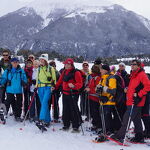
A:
x: 101, y: 138
x: 18, y: 119
x: 41, y: 126
x: 75, y: 130
x: 64, y: 128
x: 2, y: 117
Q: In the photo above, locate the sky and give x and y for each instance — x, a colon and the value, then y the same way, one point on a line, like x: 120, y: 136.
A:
x: 141, y: 7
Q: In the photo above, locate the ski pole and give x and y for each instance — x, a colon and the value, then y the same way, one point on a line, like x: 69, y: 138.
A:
x: 118, y: 114
x: 102, y: 118
x: 77, y: 111
x: 29, y: 107
x: 129, y: 121
x: 53, y: 99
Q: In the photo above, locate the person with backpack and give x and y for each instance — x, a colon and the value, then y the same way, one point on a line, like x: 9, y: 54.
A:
x: 55, y: 96
x: 139, y: 86
x: 71, y: 81
x: 107, y: 90
x: 83, y: 95
x: 29, y: 71
x: 35, y: 107
x: 93, y: 98
x: 14, y: 78
x: 46, y: 80
x: 4, y: 64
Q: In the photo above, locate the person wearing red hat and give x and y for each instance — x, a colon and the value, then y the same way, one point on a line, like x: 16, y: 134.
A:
x: 71, y: 82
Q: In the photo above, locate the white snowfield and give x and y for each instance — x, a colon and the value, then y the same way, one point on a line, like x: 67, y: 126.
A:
x: 16, y: 136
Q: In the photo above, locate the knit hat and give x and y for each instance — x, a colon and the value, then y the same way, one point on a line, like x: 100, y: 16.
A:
x: 68, y: 61
x: 44, y: 56
x: 15, y: 59
x: 122, y: 64
x: 106, y: 67
x: 97, y: 61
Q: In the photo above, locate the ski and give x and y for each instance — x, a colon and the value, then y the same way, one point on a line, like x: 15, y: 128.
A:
x: 117, y: 142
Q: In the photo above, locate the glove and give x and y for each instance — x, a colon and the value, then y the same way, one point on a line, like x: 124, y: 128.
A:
x: 137, y: 99
x: 99, y: 89
x: 35, y: 90
x: 34, y: 82
x: 105, y: 89
x: 104, y: 99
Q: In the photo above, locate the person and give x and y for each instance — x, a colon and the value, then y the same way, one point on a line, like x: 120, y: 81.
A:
x: 31, y: 57
x: 29, y: 71
x: 106, y: 90
x: 138, y: 87
x: 4, y: 64
x: 93, y: 98
x: 83, y: 94
x: 46, y: 80
x: 71, y: 82
x: 14, y: 78
x: 98, y: 62
x: 35, y: 107
x: 55, y: 95
x: 112, y: 70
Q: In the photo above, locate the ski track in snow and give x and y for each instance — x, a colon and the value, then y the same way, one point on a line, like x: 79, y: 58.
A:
x: 31, y: 138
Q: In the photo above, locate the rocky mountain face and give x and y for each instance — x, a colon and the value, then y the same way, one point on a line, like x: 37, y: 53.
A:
x: 90, y: 31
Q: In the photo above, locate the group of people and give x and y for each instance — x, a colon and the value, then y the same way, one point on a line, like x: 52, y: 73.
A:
x: 109, y: 98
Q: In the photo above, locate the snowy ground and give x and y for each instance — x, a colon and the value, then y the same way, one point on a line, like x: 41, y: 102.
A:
x: 16, y: 136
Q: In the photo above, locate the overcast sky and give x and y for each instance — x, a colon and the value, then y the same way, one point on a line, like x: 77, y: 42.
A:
x: 139, y: 6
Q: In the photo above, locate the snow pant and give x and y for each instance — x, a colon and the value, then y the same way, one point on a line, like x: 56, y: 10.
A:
x: 16, y: 103
x: 54, y: 101
x: 95, y: 114
x: 135, y: 117
x: 84, y: 104
x: 35, y: 107
x: 108, y: 110
x: 2, y: 94
x: 45, y: 96
x: 27, y: 95
x: 71, y: 113
x: 146, y: 114
x: 118, y: 112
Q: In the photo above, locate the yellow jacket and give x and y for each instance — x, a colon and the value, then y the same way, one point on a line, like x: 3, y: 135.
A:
x: 109, y: 81
x: 43, y: 73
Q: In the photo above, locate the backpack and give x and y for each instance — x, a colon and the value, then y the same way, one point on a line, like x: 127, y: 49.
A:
x: 119, y: 96
x: 71, y: 75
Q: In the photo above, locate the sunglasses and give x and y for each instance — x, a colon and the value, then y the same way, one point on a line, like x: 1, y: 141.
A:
x: 5, y: 55
x: 85, y: 65
x: 121, y: 66
x: 133, y: 64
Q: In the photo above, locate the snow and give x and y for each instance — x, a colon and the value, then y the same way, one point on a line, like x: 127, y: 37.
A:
x: 30, y: 138
x: 145, y: 21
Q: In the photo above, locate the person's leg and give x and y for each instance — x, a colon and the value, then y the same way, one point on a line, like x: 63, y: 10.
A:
x: 9, y: 100
x: 33, y: 107
x: 66, y: 110
x: 75, y: 113
x: 18, y: 105
x: 45, y: 113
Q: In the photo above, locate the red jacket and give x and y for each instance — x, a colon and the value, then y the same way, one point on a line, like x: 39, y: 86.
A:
x: 93, y: 82
x: 136, y: 78
x: 76, y: 80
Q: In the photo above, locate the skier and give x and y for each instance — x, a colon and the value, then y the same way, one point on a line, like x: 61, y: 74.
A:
x: 14, y: 78
x: 93, y: 98
x: 35, y: 107
x: 83, y: 95
x: 106, y: 90
x: 45, y: 82
x: 71, y: 82
x: 138, y: 87
x: 29, y: 71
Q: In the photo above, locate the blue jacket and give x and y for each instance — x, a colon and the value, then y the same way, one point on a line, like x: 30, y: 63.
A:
x: 14, y: 79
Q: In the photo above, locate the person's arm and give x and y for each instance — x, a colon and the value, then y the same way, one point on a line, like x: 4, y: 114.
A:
x: 4, y: 77
x: 146, y: 83
x: 53, y: 73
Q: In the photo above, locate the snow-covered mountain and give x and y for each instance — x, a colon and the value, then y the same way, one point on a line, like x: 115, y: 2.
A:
x: 76, y: 28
